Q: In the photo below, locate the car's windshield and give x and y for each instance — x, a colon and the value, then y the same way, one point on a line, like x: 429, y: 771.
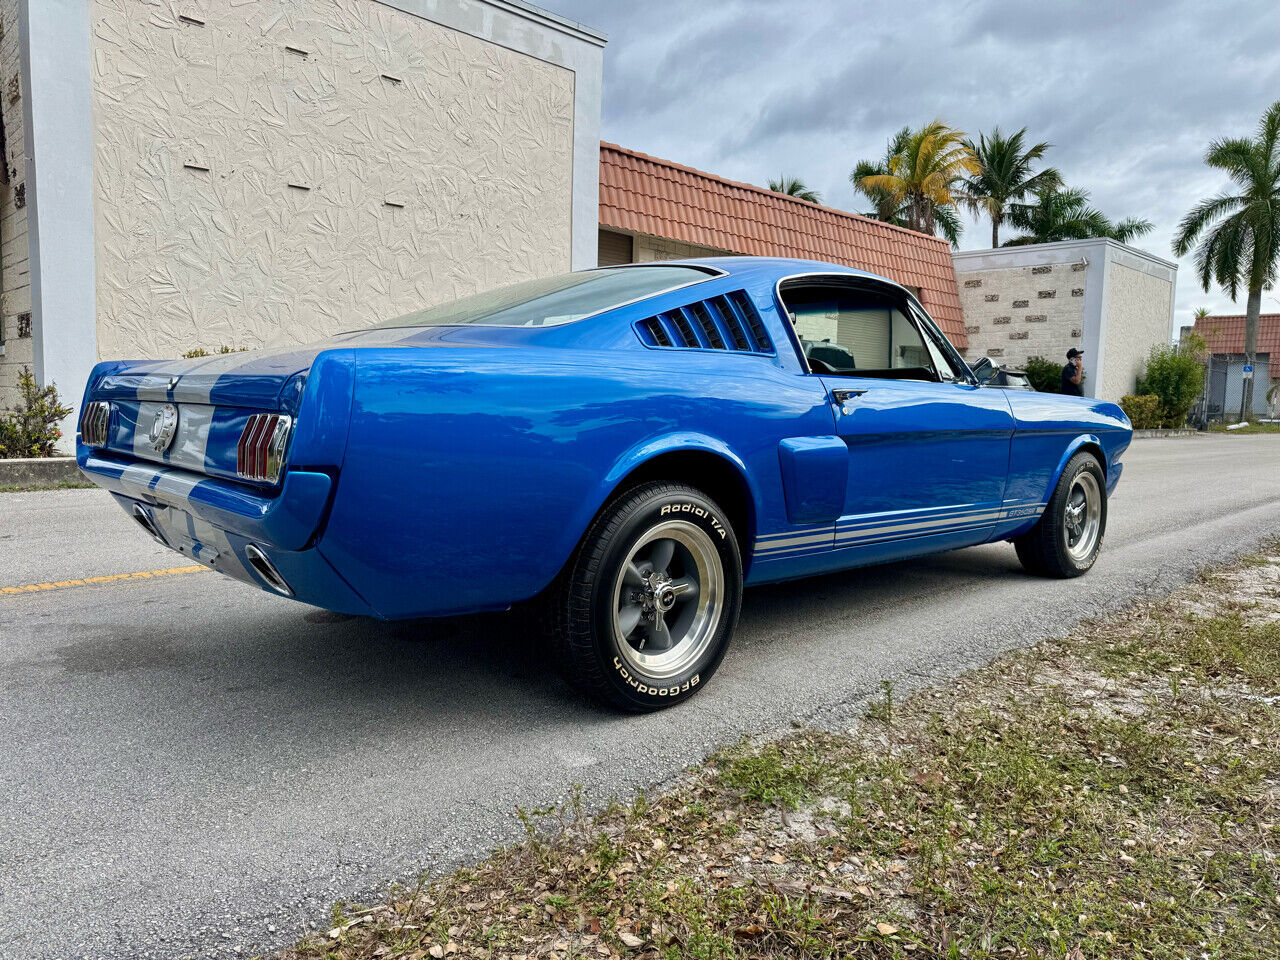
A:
x: 553, y: 300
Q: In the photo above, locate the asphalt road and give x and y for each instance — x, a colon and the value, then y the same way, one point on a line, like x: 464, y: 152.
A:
x: 192, y: 767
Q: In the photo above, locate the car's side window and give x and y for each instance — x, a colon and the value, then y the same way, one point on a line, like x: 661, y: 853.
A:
x: 851, y: 332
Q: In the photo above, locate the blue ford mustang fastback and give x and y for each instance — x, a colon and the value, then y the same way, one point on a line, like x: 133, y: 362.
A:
x: 624, y: 447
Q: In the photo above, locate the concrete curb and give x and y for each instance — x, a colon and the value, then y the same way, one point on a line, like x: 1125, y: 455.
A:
x: 1148, y: 434
x: 39, y: 471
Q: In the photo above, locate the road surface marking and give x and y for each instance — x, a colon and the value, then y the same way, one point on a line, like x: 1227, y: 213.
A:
x: 89, y: 581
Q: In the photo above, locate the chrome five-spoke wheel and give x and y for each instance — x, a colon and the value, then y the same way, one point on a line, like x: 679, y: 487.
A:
x: 643, y: 615
x: 1066, y: 539
x: 668, y: 599
x: 1082, y: 516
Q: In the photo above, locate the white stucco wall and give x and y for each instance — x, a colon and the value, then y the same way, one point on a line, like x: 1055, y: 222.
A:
x: 289, y: 170
x: 402, y: 152
x: 1138, y: 308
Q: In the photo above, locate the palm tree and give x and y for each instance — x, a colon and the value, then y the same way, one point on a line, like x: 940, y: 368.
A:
x: 1066, y: 215
x: 794, y: 187
x: 1240, y: 226
x: 1203, y: 313
x: 1005, y: 175
x: 885, y: 207
x: 913, y: 186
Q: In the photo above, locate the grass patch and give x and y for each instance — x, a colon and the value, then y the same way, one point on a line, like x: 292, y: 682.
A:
x: 1117, y: 795
x: 1253, y: 427
x: 36, y: 487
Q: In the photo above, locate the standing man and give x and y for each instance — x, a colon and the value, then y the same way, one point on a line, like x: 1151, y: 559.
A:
x: 1073, y: 374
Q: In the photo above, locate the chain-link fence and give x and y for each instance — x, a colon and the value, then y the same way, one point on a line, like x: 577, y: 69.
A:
x: 1224, y: 382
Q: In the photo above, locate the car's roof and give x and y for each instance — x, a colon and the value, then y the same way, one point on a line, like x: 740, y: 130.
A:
x: 776, y: 267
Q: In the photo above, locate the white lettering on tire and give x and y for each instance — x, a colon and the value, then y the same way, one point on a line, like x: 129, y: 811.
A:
x: 697, y: 511
x: 644, y: 688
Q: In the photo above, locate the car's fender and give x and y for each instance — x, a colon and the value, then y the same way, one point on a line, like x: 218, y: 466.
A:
x: 646, y: 451
x: 1074, y: 447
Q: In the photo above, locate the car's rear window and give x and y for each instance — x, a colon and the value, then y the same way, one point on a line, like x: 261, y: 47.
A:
x: 554, y: 300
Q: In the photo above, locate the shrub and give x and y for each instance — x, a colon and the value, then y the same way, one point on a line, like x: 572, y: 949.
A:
x: 196, y: 352
x: 1175, y: 374
x: 31, y: 428
x: 1045, y: 375
x: 1143, y: 411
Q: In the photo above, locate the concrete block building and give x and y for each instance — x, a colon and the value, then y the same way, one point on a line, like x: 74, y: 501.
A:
x: 184, y: 174
x: 1110, y: 300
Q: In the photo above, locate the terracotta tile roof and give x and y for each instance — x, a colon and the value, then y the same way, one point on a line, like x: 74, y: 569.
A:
x: 644, y: 194
x: 1226, y: 334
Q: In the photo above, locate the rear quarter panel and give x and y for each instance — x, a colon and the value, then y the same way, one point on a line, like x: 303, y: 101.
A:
x: 1048, y: 430
x: 471, y: 473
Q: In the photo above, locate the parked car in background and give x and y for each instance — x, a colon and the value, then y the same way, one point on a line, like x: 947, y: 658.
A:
x: 626, y: 448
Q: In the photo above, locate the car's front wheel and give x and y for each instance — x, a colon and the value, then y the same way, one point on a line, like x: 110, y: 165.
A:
x: 1066, y: 540
x: 643, y: 615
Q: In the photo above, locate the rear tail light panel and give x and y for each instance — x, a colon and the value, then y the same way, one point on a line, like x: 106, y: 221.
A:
x: 264, y: 443
x: 95, y: 423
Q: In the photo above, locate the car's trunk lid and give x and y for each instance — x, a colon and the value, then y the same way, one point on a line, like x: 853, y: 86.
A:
x: 238, y: 379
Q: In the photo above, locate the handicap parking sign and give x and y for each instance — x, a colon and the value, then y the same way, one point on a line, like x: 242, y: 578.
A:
x: 1248, y: 368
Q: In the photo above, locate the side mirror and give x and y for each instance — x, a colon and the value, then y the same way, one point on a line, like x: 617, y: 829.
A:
x: 985, y: 370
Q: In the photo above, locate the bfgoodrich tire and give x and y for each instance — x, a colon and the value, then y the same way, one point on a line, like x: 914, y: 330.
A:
x: 643, y: 615
x: 1066, y: 540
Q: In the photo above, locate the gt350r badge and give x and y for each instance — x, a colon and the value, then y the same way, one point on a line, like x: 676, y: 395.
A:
x: 163, y: 428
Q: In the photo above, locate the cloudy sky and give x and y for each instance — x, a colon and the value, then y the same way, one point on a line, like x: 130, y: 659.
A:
x: 1130, y: 93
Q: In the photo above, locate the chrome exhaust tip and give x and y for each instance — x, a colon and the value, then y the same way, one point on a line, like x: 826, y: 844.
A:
x: 144, y: 520
x: 267, y: 570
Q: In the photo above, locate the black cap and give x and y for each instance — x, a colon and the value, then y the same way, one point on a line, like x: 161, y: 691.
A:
x: 1073, y: 353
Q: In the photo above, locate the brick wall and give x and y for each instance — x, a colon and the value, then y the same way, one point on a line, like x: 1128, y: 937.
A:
x: 1020, y: 312
x: 15, y: 302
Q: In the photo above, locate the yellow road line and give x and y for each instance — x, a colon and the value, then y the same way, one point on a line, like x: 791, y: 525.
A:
x: 88, y: 581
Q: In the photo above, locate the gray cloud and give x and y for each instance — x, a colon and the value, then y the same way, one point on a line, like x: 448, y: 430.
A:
x: 1130, y: 93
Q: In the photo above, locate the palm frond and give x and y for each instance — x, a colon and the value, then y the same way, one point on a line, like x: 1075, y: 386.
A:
x: 1238, y: 231
x: 794, y: 187
x: 1201, y: 217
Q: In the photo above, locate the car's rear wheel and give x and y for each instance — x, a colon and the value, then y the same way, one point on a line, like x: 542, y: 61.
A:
x: 643, y: 614
x: 1065, y: 542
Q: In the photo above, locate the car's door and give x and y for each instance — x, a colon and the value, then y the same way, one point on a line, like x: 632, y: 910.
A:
x: 928, y: 450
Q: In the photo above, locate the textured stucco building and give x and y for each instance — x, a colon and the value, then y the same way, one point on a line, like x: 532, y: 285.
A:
x: 1112, y: 301
x: 196, y: 173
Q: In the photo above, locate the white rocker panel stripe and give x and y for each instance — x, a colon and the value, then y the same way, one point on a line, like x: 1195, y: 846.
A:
x: 880, y: 529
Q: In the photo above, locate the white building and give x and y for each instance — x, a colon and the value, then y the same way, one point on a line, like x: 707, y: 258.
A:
x: 196, y: 174
x: 1112, y: 301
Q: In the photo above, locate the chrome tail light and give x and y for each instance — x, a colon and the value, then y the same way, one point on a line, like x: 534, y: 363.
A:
x: 94, y: 421
x: 261, y: 451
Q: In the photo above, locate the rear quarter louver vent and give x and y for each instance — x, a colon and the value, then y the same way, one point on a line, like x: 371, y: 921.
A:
x: 728, y: 321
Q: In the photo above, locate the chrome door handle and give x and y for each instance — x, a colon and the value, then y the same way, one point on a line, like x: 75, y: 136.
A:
x: 845, y: 394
